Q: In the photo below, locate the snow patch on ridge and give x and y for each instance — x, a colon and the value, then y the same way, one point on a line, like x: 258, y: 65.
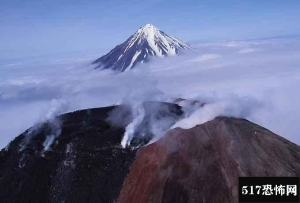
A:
x: 134, y: 58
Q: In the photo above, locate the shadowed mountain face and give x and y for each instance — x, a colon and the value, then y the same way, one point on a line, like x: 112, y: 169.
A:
x: 85, y: 162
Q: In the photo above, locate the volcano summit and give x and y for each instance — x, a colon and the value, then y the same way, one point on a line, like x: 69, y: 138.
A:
x: 86, y: 162
x: 147, y: 41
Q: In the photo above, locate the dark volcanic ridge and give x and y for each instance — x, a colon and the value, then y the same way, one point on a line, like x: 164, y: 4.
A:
x: 85, y: 162
x: 146, y: 42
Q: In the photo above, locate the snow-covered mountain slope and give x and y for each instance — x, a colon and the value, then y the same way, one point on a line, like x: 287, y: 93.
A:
x: 147, y: 41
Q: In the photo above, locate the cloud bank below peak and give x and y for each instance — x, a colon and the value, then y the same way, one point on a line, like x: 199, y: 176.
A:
x: 257, y: 80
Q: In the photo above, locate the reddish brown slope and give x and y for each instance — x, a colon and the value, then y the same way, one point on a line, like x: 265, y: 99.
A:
x: 203, y: 164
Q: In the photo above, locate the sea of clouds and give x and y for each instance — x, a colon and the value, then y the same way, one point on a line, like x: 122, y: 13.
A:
x: 256, y: 79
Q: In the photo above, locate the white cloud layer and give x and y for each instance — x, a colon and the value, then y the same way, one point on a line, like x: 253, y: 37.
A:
x: 258, y: 80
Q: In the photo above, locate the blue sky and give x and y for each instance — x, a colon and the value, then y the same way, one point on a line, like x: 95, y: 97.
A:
x: 58, y: 26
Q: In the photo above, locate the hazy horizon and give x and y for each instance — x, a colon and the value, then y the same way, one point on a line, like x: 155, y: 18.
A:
x: 38, y: 28
x: 244, y: 62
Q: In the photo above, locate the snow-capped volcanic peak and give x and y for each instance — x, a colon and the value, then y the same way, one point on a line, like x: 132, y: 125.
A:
x: 161, y: 43
x: 147, y: 41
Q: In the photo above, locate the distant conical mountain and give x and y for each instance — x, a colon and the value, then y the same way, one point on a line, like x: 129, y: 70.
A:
x: 147, y: 41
